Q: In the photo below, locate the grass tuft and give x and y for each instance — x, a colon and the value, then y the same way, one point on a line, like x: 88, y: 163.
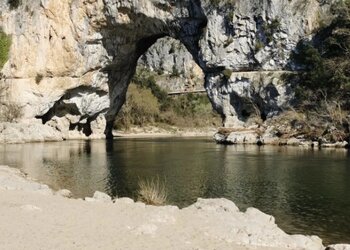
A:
x: 152, y: 192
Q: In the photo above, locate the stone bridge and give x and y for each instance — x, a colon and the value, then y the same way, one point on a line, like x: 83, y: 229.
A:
x: 71, y: 61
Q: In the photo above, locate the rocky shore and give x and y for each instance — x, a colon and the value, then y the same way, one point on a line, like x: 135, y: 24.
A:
x: 12, y: 133
x: 254, y: 135
x: 35, y: 217
x: 35, y: 132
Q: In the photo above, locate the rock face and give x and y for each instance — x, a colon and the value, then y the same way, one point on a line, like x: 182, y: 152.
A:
x: 176, y: 69
x: 71, y: 61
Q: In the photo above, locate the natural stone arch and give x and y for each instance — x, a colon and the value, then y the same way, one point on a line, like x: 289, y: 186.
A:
x: 173, y: 66
x: 143, y: 32
x: 68, y: 46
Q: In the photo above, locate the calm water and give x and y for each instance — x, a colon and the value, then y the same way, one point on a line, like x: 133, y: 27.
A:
x: 307, y: 191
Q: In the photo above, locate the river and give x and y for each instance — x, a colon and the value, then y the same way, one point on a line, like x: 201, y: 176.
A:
x: 307, y: 191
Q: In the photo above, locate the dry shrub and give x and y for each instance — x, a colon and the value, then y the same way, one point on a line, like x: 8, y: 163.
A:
x: 11, y: 112
x: 152, y: 192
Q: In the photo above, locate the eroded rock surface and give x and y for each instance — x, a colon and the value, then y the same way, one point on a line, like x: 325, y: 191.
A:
x: 71, y: 61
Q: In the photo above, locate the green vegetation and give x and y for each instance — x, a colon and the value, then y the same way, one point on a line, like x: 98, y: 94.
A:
x: 227, y: 73
x: 265, y: 33
x: 224, y: 3
x: 152, y: 192
x: 9, y: 112
x: 323, y: 92
x: 148, y: 104
x: 270, y: 29
x: 259, y: 45
x: 5, y: 44
x: 141, y: 107
x: 327, y: 63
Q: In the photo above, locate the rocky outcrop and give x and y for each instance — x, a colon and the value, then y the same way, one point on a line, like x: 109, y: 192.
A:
x: 175, y: 69
x: 13, y: 179
x: 71, y: 61
x: 27, y: 132
x: 208, y: 224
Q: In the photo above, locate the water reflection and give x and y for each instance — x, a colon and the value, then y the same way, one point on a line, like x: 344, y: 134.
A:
x: 306, y: 190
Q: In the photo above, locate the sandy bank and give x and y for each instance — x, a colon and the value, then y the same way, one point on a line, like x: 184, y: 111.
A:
x: 33, y: 217
x: 14, y: 133
x: 152, y: 131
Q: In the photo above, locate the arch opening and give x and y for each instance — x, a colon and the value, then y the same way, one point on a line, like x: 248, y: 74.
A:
x: 171, y: 86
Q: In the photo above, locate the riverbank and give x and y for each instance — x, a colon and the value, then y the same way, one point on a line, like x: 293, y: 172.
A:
x: 35, y: 217
x: 258, y: 136
x: 15, y: 133
x: 170, y: 131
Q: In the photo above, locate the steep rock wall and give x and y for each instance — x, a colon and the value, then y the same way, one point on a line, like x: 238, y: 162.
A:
x: 174, y: 65
x: 246, y: 44
x: 71, y: 61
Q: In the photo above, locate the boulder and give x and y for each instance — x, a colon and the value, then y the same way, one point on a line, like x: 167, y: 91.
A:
x: 102, y: 197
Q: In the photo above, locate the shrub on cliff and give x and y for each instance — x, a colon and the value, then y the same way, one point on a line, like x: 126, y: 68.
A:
x: 327, y: 59
x: 5, y: 44
x: 10, y: 112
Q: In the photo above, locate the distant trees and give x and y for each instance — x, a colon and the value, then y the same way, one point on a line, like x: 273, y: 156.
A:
x: 147, y: 104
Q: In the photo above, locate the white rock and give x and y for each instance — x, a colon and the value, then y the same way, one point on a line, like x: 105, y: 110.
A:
x: 339, y: 247
x: 217, y: 205
x: 99, y: 196
x: 64, y: 193
x: 124, y: 200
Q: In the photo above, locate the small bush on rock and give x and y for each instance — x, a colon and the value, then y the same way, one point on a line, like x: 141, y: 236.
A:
x: 10, y: 112
x: 5, y: 44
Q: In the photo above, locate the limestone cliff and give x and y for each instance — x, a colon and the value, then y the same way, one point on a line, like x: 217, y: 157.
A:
x: 71, y: 61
